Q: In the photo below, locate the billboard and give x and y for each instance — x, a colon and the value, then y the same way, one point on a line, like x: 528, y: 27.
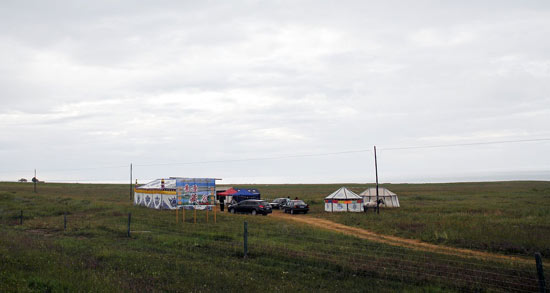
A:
x: 196, y: 193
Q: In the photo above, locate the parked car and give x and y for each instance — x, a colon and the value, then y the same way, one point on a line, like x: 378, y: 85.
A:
x: 251, y: 206
x: 296, y: 206
x: 279, y: 203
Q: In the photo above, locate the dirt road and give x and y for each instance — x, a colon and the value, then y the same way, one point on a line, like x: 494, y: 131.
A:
x: 396, y: 241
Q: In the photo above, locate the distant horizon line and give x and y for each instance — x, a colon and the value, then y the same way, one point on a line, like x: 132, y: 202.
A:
x: 329, y: 183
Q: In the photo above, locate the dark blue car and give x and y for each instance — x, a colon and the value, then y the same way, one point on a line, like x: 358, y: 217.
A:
x: 251, y: 206
x: 296, y: 206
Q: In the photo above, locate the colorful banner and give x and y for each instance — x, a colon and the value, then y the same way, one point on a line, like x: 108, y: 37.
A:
x: 195, y: 193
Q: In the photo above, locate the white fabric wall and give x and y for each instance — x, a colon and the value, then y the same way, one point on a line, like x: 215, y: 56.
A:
x: 390, y: 201
x: 155, y: 200
x: 355, y: 207
x: 342, y: 207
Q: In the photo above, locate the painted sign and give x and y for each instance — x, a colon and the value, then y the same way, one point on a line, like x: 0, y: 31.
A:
x: 195, y: 193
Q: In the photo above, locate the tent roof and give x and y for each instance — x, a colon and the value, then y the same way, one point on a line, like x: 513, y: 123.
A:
x: 156, y: 184
x: 381, y: 192
x: 229, y: 191
x: 343, y: 193
x: 246, y: 192
x: 171, y: 183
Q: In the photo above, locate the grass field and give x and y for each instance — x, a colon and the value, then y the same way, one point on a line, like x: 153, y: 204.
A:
x: 95, y: 254
x: 503, y: 217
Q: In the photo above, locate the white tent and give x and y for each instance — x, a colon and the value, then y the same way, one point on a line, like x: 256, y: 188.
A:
x: 389, y: 199
x: 343, y: 200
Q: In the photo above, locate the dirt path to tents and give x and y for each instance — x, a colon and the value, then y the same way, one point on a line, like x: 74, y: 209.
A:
x: 397, y: 241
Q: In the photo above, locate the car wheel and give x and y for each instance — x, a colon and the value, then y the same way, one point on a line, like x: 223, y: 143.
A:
x: 292, y: 212
x: 232, y: 211
x: 254, y: 212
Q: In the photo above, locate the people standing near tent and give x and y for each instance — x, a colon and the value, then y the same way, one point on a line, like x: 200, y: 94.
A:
x: 222, y: 202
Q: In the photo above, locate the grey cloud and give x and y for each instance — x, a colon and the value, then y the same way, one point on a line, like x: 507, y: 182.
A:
x: 189, y: 81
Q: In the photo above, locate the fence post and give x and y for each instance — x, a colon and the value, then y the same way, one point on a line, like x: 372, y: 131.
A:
x: 245, y: 239
x: 21, y: 218
x: 65, y: 221
x: 129, y: 220
x: 540, y: 273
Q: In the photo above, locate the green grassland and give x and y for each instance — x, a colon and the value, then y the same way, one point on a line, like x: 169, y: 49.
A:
x: 95, y: 254
x: 503, y: 217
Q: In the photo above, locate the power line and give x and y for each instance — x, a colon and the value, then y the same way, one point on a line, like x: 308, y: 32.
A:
x: 463, y: 144
x: 255, y: 159
x: 17, y: 171
x: 291, y: 156
x: 89, y: 168
x: 71, y: 169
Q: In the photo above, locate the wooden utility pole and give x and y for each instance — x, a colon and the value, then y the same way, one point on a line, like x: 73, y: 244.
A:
x: 131, y: 181
x: 376, y: 170
x: 129, y: 221
x: 245, y: 240
x: 540, y: 273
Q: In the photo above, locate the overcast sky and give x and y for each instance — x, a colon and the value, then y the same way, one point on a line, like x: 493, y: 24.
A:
x: 91, y: 84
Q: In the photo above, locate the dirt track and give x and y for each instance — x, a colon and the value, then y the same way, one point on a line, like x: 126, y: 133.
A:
x: 396, y: 241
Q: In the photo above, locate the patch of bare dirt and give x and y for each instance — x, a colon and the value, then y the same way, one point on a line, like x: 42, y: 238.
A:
x: 396, y: 241
x: 41, y: 232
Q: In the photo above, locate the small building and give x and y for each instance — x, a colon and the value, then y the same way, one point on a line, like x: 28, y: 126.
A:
x: 225, y: 194
x: 22, y: 180
x: 343, y: 200
x: 388, y: 198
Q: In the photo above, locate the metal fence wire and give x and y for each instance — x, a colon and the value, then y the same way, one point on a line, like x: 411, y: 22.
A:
x: 297, y: 245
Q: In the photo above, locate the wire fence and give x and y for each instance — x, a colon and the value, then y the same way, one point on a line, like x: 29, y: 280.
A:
x: 394, y: 262
x: 292, y: 244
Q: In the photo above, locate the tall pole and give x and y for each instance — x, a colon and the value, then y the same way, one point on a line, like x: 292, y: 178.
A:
x: 540, y: 273
x: 245, y: 242
x: 131, y: 181
x: 376, y: 170
x: 35, y: 179
x: 129, y: 221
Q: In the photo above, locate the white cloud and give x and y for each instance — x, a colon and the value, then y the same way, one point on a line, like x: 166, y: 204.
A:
x: 432, y: 37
